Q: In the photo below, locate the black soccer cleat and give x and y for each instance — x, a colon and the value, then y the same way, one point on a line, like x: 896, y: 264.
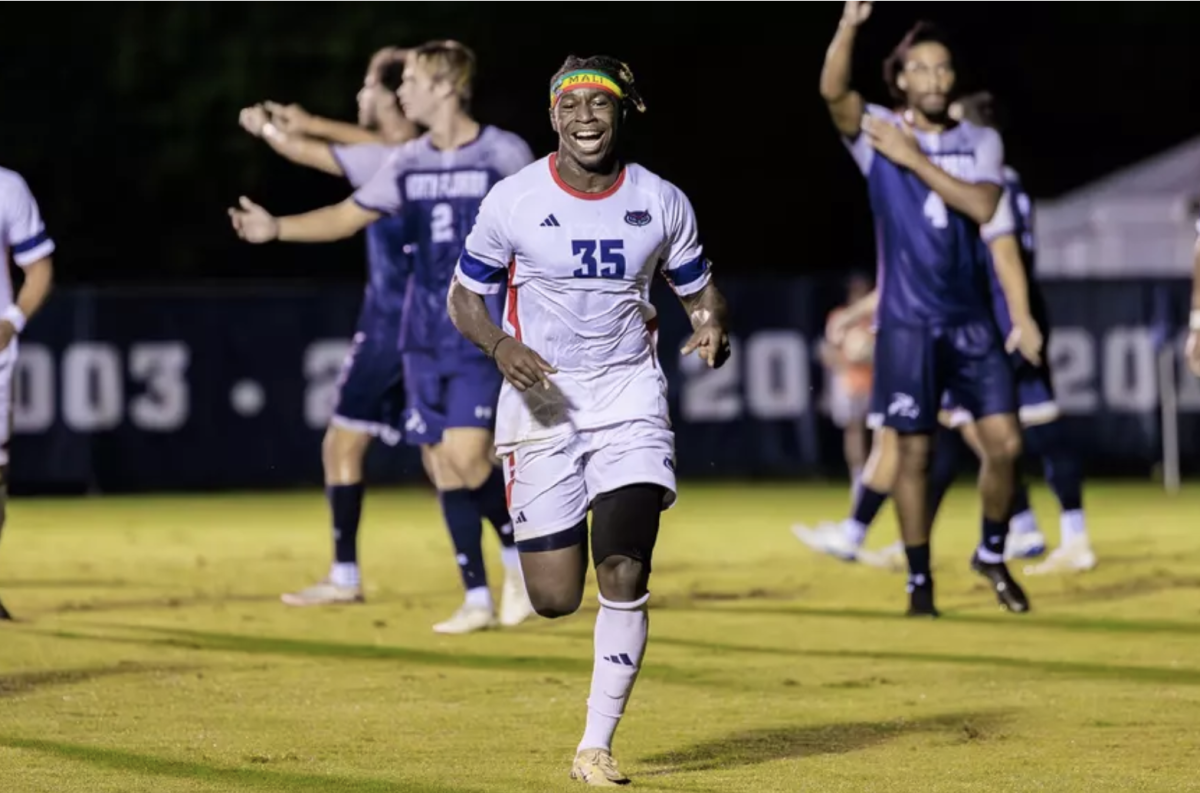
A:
x: 920, y: 601
x: 1008, y: 591
x: 4, y: 615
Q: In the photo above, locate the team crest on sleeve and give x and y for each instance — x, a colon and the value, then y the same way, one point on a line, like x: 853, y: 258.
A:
x: 637, y: 217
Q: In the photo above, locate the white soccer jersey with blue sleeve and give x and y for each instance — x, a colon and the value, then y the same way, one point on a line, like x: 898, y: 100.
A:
x: 577, y: 268
x: 22, y: 232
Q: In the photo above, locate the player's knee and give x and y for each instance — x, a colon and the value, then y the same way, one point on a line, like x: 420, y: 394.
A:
x: 621, y: 578
x: 912, y: 452
x: 342, y: 452
x: 556, y: 603
x: 1004, y: 447
x: 469, y: 454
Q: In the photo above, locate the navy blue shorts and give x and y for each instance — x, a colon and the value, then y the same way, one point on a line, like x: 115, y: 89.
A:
x: 916, y: 368
x: 447, y: 392
x: 371, y: 388
x: 1035, y: 397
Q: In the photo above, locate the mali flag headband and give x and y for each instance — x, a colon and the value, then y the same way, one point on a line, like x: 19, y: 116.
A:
x: 584, y: 78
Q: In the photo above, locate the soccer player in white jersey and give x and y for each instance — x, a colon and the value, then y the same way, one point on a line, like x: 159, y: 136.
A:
x: 23, y: 236
x: 582, y: 425
x: 436, y: 183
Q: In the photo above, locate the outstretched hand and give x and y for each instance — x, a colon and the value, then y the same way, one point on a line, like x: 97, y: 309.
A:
x: 253, y: 223
x: 290, y: 119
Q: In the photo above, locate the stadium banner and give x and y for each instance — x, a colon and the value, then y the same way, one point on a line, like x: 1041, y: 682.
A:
x: 181, y: 390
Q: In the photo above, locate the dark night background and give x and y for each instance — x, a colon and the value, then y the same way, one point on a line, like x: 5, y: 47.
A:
x: 123, y: 117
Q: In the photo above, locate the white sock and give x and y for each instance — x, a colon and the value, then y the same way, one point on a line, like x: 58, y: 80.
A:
x: 620, y: 644
x: 511, y: 558
x: 1073, y: 527
x: 855, y: 532
x: 479, y: 597
x: 1023, y: 523
x: 344, y: 574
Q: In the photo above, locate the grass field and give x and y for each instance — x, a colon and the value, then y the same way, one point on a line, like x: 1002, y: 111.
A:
x: 152, y: 654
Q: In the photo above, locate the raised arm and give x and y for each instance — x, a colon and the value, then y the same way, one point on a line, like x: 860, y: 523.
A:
x: 295, y: 120
x: 300, y: 149
x: 845, y: 104
x: 327, y: 224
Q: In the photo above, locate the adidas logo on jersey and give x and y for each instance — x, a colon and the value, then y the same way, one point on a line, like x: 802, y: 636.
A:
x: 520, y: 517
x: 550, y: 221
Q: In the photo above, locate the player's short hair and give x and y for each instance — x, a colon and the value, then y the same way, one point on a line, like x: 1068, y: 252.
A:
x: 388, y: 66
x: 617, y: 72
x: 449, y: 60
x: 922, y: 33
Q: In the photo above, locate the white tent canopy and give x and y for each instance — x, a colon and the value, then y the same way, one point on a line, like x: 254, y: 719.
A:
x: 1137, y: 222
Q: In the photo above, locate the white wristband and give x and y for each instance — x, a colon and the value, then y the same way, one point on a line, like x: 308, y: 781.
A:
x: 14, y: 316
x: 1194, y: 322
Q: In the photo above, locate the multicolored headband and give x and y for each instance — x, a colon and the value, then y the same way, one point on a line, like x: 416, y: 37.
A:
x: 585, y: 78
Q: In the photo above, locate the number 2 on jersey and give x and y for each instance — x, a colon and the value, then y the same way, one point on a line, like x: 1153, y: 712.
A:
x: 441, y: 224
x: 935, y: 211
x: 612, y: 260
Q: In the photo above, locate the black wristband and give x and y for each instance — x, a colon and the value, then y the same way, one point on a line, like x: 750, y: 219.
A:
x: 496, y: 346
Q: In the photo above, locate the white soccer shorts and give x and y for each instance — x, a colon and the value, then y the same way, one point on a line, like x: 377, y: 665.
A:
x: 552, y: 483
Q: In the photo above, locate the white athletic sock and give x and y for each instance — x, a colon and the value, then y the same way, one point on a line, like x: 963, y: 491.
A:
x: 511, y: 558
x: 1023, y: 523
x: 344, y: 574
x: 479, y: 597
x: 1073, y: 527
x: 620, y: 644
x: 855, y: 532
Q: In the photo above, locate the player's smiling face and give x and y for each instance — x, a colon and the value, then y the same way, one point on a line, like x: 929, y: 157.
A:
x: 928, y: 78
x: 586, y: 121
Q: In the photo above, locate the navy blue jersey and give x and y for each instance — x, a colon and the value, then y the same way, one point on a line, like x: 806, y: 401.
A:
x: 389, y: 259
x: 932, y: 262
x: 438, y: 193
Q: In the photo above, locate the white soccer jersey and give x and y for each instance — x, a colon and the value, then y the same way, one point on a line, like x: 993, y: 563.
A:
x: 21, y: 229
x: 578, y: 269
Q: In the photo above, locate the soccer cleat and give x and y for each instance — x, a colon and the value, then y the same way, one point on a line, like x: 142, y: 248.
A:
x: 920, y: 601
x: 515, y: 606
x: 4, y: 615
x: 468, y: 619
x: 1008, y: 591
x: 890, y: 557
x: 829, y: 539
x: 1073, y: 557
x: 1026, y: 545
x: 597, y: 767
x: 324, y: 593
